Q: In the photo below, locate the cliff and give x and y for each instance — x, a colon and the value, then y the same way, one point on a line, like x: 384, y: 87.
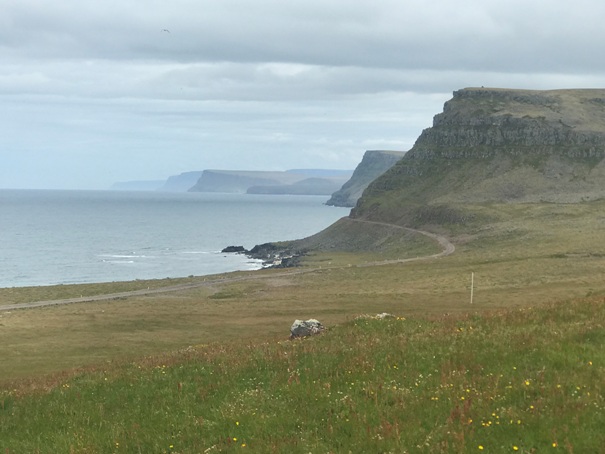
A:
x: 239, y: 181
x: 308, y: 186
x: 497, y: 145
x: 267, y: 182
x: 182, y: 182
x: 373, y: 164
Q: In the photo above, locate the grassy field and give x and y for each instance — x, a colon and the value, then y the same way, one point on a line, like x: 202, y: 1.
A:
x: 526, y: 380
x: 100, y: 377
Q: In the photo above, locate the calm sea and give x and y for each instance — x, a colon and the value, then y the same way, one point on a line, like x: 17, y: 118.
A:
x: 64, y: 237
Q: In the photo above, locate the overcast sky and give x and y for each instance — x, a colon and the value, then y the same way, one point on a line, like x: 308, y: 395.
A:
x: 94, y: 92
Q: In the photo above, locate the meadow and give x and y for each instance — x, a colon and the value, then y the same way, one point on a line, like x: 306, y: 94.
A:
x: 210, y: 369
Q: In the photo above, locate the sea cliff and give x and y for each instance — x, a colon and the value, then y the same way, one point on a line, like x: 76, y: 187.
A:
x: 498, y: 145
x: 373, y: 164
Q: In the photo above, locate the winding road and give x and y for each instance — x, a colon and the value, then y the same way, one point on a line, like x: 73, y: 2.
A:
x: 447, y: 249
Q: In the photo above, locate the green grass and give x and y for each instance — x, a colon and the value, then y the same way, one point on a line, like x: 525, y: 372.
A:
x: 528, y: 378
x: 523, y: 366
x: 527, y: 254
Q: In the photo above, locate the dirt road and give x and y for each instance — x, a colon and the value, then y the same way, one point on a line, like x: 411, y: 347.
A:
x: 448, y: 248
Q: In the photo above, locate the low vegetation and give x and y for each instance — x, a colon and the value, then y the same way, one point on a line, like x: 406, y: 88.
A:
x: 210, y: 369
x: 524, y: 380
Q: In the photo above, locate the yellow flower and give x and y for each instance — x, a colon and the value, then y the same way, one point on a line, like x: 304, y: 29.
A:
x: 554, y: 444
x: 515, y: 448
x: 480, y: 447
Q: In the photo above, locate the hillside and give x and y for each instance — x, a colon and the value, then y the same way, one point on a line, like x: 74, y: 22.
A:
x: 373, y: 164
x: 496, y: 145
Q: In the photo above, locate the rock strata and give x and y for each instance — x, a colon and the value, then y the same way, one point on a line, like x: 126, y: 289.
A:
x: 498, y: 145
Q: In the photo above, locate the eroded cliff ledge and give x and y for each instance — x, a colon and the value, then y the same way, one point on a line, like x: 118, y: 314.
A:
x: 499, y: 145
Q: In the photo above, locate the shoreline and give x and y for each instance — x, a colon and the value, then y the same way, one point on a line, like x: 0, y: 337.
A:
x: 447, y: 249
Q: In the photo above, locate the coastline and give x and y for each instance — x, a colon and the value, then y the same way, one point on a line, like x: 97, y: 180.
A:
x: 84, y: 237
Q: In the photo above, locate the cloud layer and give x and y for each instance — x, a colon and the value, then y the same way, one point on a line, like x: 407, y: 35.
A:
x: 96, y: 92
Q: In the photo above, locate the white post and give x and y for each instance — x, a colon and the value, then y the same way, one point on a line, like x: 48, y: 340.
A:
x: 472, y: 285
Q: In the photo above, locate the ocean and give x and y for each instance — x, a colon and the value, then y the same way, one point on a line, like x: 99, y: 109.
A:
x: 71, y: 237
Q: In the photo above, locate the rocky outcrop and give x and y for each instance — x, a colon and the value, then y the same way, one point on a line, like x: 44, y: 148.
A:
x: 373, y: 164
x: 234, y: 250
x: 306, y: 328
x: 273, y: 255
x: 498, y: 145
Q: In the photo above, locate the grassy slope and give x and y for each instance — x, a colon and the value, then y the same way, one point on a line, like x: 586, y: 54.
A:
x: 299, y: 395
x: 528, y: 380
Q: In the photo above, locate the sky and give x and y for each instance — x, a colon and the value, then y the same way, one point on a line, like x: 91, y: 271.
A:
x: 96, y: 92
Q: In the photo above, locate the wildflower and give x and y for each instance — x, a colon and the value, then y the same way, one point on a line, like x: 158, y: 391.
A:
x: 554, y: 444
x: 480, y: 447
x: 243, y: 445
x: 515, y: 448
x: 237, y: 423
x: 527, y: 383
x: 590, y: 363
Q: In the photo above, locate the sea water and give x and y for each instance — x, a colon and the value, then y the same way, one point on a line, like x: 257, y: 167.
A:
x: 64, y: 237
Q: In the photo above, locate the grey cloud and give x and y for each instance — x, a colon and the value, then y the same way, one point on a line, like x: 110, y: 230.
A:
x: 85, y: 83
x: 499, y: 35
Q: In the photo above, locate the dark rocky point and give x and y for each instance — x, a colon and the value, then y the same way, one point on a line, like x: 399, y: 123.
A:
x: 235, y: 249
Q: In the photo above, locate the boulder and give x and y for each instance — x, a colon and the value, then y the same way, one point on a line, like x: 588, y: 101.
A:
x: 307, y: 328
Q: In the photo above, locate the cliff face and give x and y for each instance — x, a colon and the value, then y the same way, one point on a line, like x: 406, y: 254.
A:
x: 373, y: 164
x: 308, y: 186
x: 271, y: 182
x: 182, y: 182
x: 499, y: 145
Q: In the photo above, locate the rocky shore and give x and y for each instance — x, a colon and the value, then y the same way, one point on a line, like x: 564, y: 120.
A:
x: 273, y: 255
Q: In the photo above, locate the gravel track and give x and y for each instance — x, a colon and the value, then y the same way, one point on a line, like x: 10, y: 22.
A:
x: 448, y: 248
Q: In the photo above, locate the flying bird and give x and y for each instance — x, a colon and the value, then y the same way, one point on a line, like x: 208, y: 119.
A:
x: 166, y: 30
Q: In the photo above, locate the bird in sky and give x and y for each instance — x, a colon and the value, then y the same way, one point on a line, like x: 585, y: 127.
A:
x: 166, y: 30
